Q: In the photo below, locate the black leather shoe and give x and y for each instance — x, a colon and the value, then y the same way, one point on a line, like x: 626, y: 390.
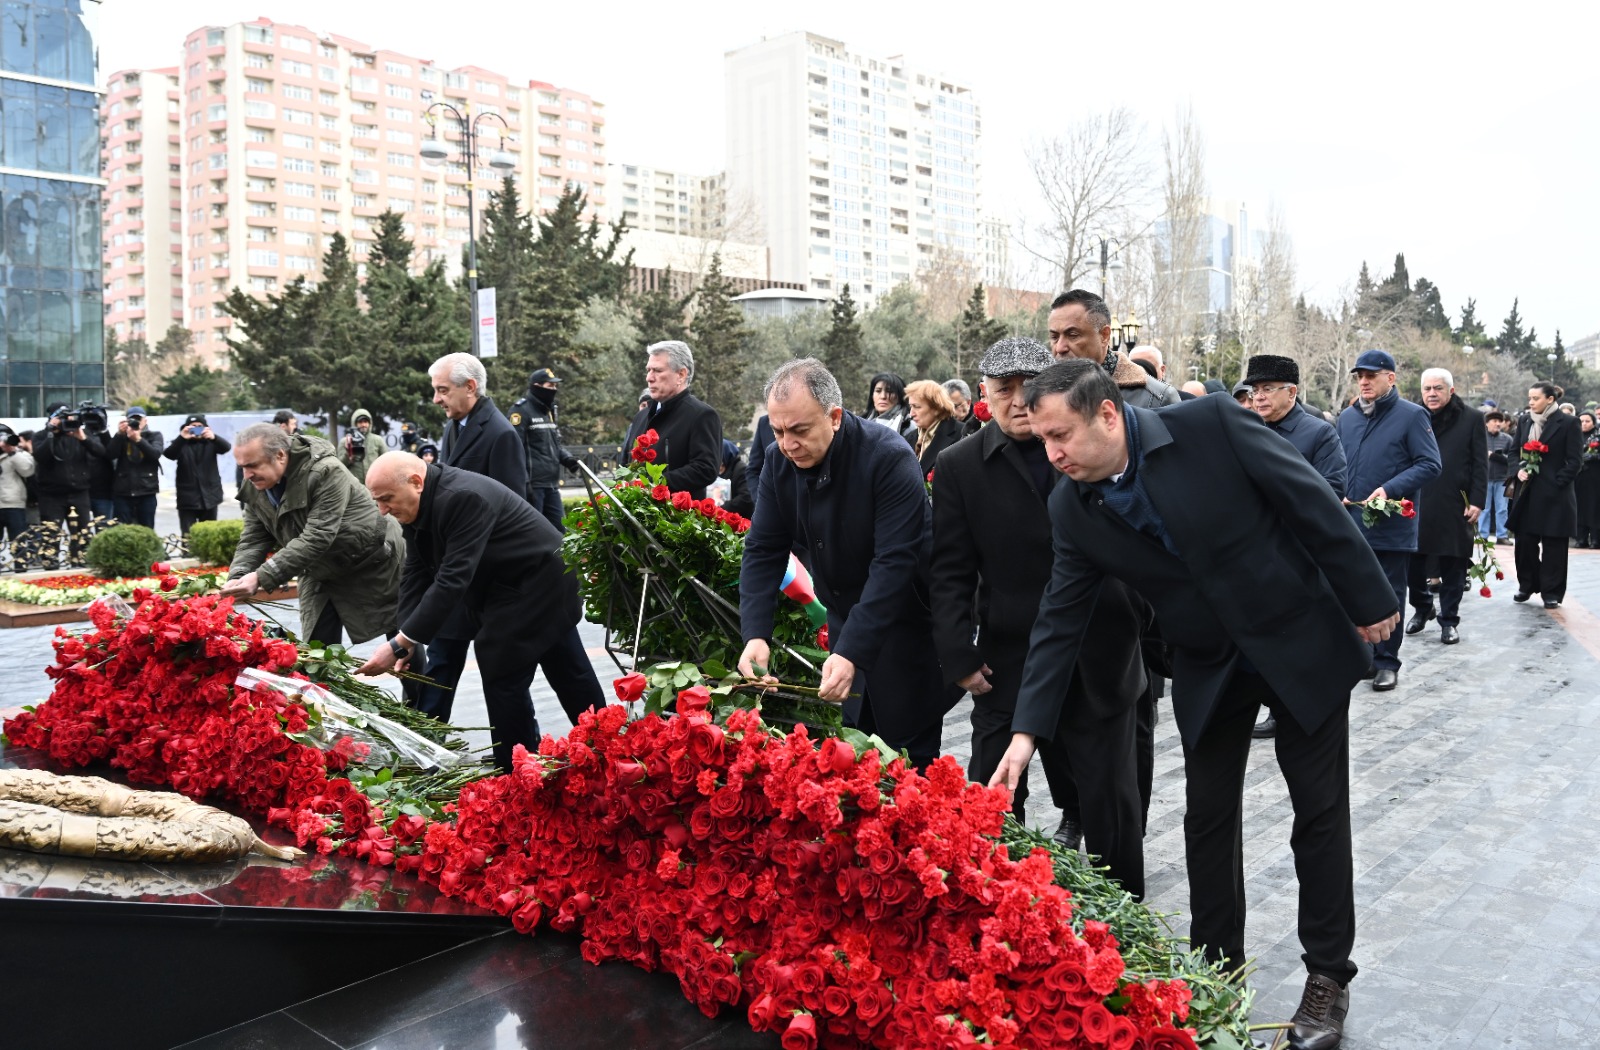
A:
x: 1419, y: 620
x: 1265, y: 728
x: 1449, y: 635
x: 1522, y: 596
x: 1385, y: 680
x: 1319, y: 1023
x: 1552, y: 603
x: 1070, y: 835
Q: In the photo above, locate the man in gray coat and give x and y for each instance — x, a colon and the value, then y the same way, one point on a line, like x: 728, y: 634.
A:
x: 319, y: 524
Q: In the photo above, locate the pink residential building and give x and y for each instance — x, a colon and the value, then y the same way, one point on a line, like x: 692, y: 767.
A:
x: 288, y: 135
x: 143, y: 208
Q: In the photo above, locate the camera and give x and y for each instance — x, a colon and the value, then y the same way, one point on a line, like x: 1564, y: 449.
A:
x: 358, y: 440
x: 194, y: 430
x: 10, y: 441
x: 71, y: 422
x: 93, y: 416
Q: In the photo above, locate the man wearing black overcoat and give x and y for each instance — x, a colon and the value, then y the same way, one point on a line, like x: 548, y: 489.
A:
x: 1544, y: 509
x: 849, y: 493
x: 473, y: 543
x: 1266, y: 593
x: 1447, y: 509
x: 689, y: 430
x: 991, y: 539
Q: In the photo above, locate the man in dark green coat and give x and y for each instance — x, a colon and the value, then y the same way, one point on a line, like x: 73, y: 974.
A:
x: 319, y: 524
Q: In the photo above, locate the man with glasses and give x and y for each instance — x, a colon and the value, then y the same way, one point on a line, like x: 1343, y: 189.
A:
x: 1274, y: 388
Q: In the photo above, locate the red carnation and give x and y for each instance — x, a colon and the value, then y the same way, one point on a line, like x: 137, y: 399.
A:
x: 629, y: 687
x: 822, y: 638
x: 981, y: 410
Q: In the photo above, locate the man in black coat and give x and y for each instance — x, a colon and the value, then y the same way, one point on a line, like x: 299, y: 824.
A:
x: 991, y: 538
x: 135, y: 453
x: 849, y: 494
x: 533, y: 416
x: 1266, y: 593
x: 690, y: 430
x: 63, y: 451
x: 1544, y: 509
x: 481, y: 440
x: 1447, y: 510
x: 199, y: 483
x: 473, y: 543
x: 1274, y: 384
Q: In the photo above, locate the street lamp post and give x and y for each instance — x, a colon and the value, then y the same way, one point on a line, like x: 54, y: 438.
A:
x: 1106, y: 254
x: 436, y: 150
x: 1551, y: 357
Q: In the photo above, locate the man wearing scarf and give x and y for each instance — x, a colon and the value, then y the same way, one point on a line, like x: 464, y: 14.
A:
x: 1544, y: 510
x: 1389, y: 452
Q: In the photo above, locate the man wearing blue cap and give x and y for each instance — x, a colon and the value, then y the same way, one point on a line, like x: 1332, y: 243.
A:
x: 1389, y: 452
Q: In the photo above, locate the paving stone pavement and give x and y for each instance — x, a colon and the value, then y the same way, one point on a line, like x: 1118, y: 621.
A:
x: 1477, y: 831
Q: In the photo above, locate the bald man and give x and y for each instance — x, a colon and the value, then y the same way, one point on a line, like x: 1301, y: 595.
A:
x: 472, y: 543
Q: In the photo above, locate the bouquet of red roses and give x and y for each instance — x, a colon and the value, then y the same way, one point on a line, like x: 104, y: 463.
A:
x: 1375, y: 510
x: 1532, y: 454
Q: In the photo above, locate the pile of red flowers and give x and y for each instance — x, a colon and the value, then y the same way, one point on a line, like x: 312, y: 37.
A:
x: 840, y: 900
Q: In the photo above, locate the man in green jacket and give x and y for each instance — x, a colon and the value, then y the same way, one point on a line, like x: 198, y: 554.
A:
x: 361, y: 446
x: 319, y: 525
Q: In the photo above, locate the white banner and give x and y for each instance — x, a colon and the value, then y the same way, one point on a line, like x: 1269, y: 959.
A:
x: 486, y: 324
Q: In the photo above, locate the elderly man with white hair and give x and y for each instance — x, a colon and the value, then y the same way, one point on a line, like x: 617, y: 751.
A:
x: 1447, y: 511
x: 690, y: 430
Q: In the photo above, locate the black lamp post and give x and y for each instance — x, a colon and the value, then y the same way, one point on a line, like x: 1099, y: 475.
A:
x: 436, y: 150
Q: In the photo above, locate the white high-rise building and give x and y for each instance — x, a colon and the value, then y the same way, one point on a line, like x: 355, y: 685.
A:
x: 860, y: 170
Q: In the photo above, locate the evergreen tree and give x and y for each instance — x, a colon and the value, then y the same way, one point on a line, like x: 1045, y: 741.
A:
x: 659, y: 313
x: 1470, y: 332
x: 1364, y: 290
x: 505, y: 254
x: 975, y: 332
x: 196, y: 388
x: 1512, y: 339
x: 1430, y: 315
x: 841, y: 347
x: 718, y: 335
x: 412, y: 321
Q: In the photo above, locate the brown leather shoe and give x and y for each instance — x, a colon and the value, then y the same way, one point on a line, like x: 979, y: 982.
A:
x: 1319, y: 1023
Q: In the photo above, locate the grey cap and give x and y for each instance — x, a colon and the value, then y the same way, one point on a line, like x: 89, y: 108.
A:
x: 1015, y: 356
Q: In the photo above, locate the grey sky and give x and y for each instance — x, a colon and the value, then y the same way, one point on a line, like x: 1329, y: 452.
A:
x: 1467, y: 136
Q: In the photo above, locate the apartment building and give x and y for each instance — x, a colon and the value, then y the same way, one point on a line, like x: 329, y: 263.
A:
x: 859, y: 169
x: 660, y: 201
x: 288, y: 135
x: 140, y: 157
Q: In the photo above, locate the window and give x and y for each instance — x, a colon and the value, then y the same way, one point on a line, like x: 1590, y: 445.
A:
x: 400, y: 91
x: 329, y: 193
x: 486, y: 87
x: 327, y: 98
x: 428, y: 75
x: 214, y: 37
x: 257, y: 86
x: 299, y: 262
x: 303, y: 237
x: 364, y: 154
x: 399, y: 114
x: 298, y: 116
x: 577, y: 104
x: 258, y: 158
x: 328, y: 73
x: 258, y: 135
x: 261, y: 257
x: 255, y: 61
x: 400, y: 205
x: 299, y: 69
x: 367, y: 84
x: 397, y: 69
x: 298, y: 214
x: 257, y: 184
x: 330, y: 171
x: 363, y: 175
x: 361, y: 200
x: 296, y: 43
x: 293, y: 141
x: 400, y: 160
x: 297, y: 91
x: 299, y: 189
x: 302, y: 165
x: 578, y: 125
x: 404, y: 138
x: 401, y: 182
x: 577, y: 146
x: 363, y: 131
x: 219, y: 161
x: 218, y: 111
x: 330, y: 146
x: 258, y: 34
x: 328, y: 122
x: 261, y: 234
x: 330, y: 218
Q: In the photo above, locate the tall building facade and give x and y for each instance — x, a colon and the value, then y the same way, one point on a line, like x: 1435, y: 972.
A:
x: 661, y: 201
x: 288, y: 135
x: 50, y: 186
x: 860, y: 170
x: 143, y: 212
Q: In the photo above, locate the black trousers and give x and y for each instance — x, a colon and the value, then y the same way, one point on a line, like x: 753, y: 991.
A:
x: 922, y: 747
x: 566, y: 668
x: 1103, y: 758
x: 187, y: 518
x: 1396, y: 566
x: 991, y: 735
x: 1316, y: 767
x: 1541, y: 565
x: 1452, y: 582
x: 508, y: 669
x: 58, y: 507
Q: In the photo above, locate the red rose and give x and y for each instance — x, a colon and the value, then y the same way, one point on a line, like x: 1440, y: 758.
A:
x: 694, y: 700
x: 649, y: 437
x: 1096, y: 1023
x: 705, y: 743
x: 681, y: 501
x: 630, y: 687
x: 1407, y: 509
x: 169, y: 583
x: 801, y: 1033
x: 981, y: 410
x: 660, y: 493
x: 1484, y: 591
x: 822, y: 637
x: 929, y: 478
x: 836, y: 756
x: 648, y: 455
x: 1499, y: 575
x: 1169, y: 1039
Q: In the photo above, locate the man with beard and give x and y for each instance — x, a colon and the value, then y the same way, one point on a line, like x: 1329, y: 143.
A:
x: 991, y: 539
x: 1447, y: 515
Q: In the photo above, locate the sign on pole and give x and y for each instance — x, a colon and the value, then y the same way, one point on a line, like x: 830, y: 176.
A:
x: 486, y: 323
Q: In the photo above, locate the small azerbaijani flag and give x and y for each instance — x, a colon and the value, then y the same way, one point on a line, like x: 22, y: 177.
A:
x: 797, y: 585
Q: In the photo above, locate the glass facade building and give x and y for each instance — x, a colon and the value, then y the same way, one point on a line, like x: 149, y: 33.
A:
x: 51, y: 343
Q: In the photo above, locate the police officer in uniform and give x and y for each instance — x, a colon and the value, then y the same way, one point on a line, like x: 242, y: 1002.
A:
x: 534, y: 417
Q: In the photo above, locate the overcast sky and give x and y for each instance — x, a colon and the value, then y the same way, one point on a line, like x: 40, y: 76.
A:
x: 1465, y: 135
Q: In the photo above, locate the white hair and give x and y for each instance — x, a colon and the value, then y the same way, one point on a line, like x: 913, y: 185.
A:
x: 1440, y: 373
x: 462, y: 367
x: 677, y: 353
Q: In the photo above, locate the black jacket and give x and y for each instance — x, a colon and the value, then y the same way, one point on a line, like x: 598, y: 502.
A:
x: 1317, y: 441
x: 1587, y: 487
x: 991, y: 535
x: 739, y: 500
x: 691, y: 441
x: 137, y: 464
x: 760, y: 448
x: 486, y: 445
x: 476, y: 544
x: 63, y: 461
x: 1271, y: 567
x: 945, y: 435
x: 862, y: 518
x: 1547, y: 505
x: 533, y: 417
x: 199, y: 482
x: 1464, y: 451
x: 102, y: 472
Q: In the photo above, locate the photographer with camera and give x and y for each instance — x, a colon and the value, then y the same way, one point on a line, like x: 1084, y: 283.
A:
x: 102, y: 498
x: 62, y: 452
x: 16, y: 467
x: 135, y: 454
x: 196, y: 449
x: 361, y: 446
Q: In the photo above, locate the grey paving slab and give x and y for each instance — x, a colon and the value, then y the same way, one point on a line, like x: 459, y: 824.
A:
x: 1476, y: 809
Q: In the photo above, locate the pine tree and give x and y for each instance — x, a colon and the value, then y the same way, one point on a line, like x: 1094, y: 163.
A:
x: 841, y: 347
x: 659, y: 314
x: 412, y: 321
x: 1364, y: 290
x: 1512, y: 340
x: 1470, y: 332
x: 1429, y: 307
x: 505, y: 255
x: 717, y: 337
x: 975, y: 332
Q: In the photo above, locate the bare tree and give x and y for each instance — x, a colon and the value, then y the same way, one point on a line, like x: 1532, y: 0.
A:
x: 1180, y: 291
x: 1093, y: 177
x: 946, y: 280
x: 1263, y: 316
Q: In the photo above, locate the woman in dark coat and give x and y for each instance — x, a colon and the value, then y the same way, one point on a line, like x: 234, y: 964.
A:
x: 886, y: 402
x: 1544, y: 511
x: 934, y: 420
x: 1588, y: 484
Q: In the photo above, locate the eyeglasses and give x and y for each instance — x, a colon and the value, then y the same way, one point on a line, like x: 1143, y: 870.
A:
x: 1267, y: 390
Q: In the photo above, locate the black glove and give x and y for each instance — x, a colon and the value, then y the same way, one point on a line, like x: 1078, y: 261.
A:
x: 569, y: 463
